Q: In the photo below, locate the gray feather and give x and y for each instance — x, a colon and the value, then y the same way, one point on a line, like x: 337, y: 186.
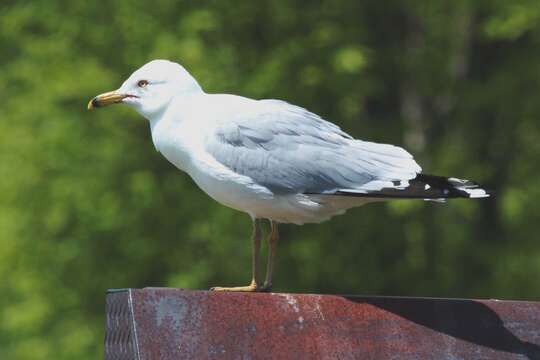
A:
x: 291, y: 150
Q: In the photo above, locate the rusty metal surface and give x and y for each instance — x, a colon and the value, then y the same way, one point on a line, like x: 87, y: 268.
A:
x: 119, y: 338
x: 184, y: 324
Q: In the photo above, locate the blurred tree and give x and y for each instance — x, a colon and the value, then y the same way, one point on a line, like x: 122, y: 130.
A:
x: 87, y: 204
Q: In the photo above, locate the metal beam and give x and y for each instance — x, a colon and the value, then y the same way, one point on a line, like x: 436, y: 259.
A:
x: 166, y: 324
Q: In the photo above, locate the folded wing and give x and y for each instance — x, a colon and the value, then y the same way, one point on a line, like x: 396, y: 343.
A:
x: 291, y: 150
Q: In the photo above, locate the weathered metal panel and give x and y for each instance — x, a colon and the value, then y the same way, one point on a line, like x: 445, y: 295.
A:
x: 120, y: 342
x: 184, y: 324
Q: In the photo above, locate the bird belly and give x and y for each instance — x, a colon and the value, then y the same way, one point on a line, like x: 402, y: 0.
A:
x: 230, y: 189
x: 223, y: 185
x: 241, y: 193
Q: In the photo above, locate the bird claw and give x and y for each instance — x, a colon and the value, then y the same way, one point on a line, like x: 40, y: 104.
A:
x: 253, y: 287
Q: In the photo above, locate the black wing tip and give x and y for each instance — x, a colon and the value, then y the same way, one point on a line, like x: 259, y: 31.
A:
x: 427, y: 187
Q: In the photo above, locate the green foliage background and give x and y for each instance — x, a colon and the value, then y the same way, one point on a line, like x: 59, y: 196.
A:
x: 87, y: 204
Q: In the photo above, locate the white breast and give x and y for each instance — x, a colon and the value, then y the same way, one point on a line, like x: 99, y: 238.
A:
x: 184, y: 148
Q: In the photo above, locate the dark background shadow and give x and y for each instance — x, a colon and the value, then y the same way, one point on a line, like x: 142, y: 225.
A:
x: 467, y: 320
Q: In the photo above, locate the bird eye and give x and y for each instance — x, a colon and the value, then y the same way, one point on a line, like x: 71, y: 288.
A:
x: 142, y: 83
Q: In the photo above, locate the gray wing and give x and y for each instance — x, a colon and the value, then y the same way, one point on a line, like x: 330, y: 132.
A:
x: 291, y: 150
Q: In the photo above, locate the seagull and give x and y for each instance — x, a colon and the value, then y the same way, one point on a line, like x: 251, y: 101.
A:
x: 271, y: 159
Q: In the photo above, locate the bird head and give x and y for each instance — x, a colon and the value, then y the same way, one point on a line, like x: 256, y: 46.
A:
x: 151, y: 88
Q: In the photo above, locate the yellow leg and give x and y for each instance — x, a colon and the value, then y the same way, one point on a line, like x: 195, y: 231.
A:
x: 272, y: 246
x: 253, y: 286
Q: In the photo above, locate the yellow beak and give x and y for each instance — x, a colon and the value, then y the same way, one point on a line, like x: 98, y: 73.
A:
x: 108, y: 98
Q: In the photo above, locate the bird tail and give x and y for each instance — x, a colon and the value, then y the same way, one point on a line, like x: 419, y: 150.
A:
x: 427, y: 187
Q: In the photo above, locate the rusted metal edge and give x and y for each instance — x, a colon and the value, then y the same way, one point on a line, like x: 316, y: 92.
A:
x: 119, y: 290
x: 121, y: 340
x: 134, y: 326
x: 389, y: 297
x: 365, y: 296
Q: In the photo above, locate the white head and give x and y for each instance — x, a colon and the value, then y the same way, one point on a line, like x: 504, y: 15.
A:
x: 150, y: 89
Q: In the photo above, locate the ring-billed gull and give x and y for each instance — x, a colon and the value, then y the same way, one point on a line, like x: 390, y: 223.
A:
x: 271, y: 159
